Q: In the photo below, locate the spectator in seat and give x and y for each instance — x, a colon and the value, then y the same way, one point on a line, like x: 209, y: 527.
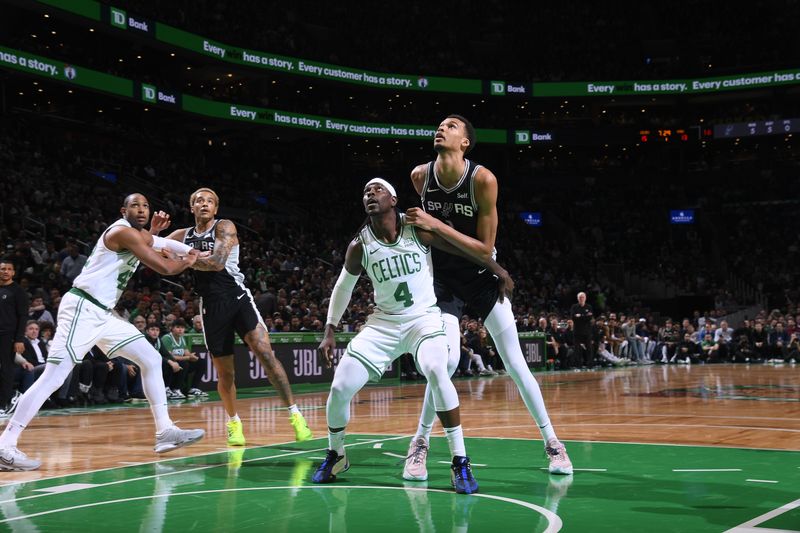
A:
x: 723, y: 336
x: 35, y: 354
x: 38, y: 311
x: 73, y: 263
x: 709, y: 349
x: 778, y: 342
x: 760, y: 342
x: 687, y: 351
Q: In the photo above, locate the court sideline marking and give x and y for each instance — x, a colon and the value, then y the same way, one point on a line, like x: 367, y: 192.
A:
x: 750, y: 525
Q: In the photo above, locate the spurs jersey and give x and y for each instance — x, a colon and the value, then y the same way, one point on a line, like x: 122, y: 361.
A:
x: 457, y: 207
x: 401, y: 272
x: 215, y: 284
x: 106, y: 273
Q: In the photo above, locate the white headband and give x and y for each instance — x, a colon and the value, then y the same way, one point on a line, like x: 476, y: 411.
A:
x: 386, y: 185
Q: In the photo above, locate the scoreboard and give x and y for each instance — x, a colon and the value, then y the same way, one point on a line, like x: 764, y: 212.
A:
x: 751, y: 129
x: 664, y: 135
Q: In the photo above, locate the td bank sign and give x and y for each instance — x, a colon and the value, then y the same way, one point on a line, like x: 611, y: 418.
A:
x: 150, y: 93
x: 120, y: 19
x: 503, y: 88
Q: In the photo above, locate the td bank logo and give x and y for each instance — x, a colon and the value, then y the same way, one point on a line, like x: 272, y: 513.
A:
x: 148, y: 93
x: 522, y: 137
x: 118, y: 18
x: 497, y: 88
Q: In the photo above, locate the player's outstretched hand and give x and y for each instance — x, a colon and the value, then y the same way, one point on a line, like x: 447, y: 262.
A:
x: 421, y: 219
x: 326, y: 347
x: 191, y: 257
x: 159, y: 222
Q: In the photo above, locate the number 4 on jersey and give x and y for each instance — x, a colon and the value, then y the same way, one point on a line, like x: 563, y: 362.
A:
x: 402, y: 294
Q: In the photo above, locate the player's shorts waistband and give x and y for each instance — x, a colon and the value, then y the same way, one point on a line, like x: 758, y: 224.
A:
x: 83, y: 294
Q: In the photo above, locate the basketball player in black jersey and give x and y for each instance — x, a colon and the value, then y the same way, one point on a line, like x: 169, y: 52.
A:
x: 459, y: 203
x: 227, y: 307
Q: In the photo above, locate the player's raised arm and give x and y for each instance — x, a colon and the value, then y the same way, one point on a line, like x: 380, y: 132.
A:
x: 134, y: 241
x: 226, y: 239
x: 486, y: 219
x: 340, y: 296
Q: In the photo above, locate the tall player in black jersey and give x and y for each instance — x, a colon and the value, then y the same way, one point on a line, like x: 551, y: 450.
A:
x: 459, y: 203
x: 228, y: 307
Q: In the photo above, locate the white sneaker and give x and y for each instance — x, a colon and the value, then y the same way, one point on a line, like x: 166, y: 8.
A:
x: 415, y: 468
x: 177, y: 394
x: 559, y: 460
x: 169, y: 394
x: 197, y: 392
x: 11, y: 459
x: 175, y: 437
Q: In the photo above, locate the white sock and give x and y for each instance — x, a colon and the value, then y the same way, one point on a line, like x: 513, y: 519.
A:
x: 11, y: 434
x: 293, y: 409
x: 455, y: 440
x: 423, y: 431
x: 336, y: 441
x: 234, y: 418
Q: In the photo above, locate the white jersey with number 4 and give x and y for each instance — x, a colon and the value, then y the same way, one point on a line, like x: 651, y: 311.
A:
x: 106, y: 273
x: 401, y: 272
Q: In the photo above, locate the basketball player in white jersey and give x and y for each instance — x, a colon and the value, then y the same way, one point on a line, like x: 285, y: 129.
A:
x: 85, y: 319
x: 397, y: 259
x: 227, y: 307
x: 459, y: 203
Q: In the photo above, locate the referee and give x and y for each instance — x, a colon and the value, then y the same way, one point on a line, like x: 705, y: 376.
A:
x: 13, y: 315
x: 581, y: 315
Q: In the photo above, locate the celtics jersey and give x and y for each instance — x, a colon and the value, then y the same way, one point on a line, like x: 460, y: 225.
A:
x: 174, y: 346
x: 457, y: 207
x: 220, y: 284
x: 401, y: 272
x: 106, y: 273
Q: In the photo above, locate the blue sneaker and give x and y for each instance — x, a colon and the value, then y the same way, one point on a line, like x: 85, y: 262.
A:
x: 332, y: 465
x: 461, y: 476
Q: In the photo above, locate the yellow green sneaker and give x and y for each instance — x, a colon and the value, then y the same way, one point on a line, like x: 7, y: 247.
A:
x: 235, y: 435
x: 301, y: 431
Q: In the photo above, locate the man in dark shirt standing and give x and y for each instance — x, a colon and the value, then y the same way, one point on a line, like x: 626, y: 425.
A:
x: 13, y: 315
x: 581, y: 315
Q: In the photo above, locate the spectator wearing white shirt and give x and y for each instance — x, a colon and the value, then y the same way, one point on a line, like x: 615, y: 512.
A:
x: 723, y: 337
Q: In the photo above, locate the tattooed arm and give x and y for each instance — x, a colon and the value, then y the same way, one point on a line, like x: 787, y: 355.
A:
x: 226, y: 239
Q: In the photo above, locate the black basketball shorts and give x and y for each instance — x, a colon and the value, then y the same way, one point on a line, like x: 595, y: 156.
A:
x: 224, y: 317
x: 476, y: 295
